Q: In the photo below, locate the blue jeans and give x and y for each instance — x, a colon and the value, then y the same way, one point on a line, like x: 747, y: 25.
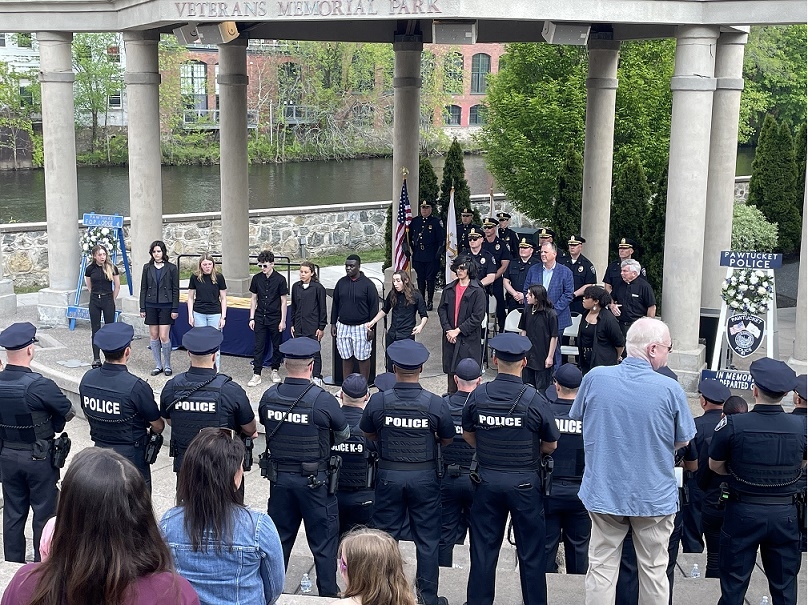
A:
x: 201, y: 320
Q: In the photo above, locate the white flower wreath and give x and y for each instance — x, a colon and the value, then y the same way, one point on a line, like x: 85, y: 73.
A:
x: 103, y: 236
x: 748, y: 291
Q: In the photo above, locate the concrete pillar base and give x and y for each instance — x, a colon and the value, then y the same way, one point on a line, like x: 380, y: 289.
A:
x: 52, y: 306
x: 688, y: 366
x: 388, y: 278
x: 239, y: 286
x: 800, y: 366
x: 130, y: 313
x: 8, y: 300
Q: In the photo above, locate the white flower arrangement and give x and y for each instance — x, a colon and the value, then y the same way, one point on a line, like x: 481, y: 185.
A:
x: 748, y: 291
x: 95, y: 236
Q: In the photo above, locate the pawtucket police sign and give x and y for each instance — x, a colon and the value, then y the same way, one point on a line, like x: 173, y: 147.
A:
x: 745, y: 333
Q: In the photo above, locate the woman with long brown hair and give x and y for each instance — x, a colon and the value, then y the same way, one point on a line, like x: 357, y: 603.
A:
x: 159, y: 304
x: 403, y: 302
x: 308, y: 314
x: 103, y: 283
x: 106, y: 549
x: 372, y: 568
x: 207, y: 298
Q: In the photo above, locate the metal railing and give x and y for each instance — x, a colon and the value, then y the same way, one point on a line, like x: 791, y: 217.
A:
x: 209, y: 118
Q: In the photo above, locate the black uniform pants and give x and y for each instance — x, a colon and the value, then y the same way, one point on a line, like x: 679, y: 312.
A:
x: 773, y: 528
x: 266, y: 331
x: 498, y: 292
x: 414, y: 495
x: 691, y: 518
x: 100, y: 304
x: 500, y: 493
x: 712, y: 519
x: 291, y: 501
x: 565, y: 516
x: 426, y: 272
x: 134, y: 454
x: 456, y: 498
x: 27, y: 484
x: 355, y: 509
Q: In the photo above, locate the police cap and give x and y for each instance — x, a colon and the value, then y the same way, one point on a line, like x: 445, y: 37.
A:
x: 203, y: 340
x: 772, y: 375
x: 714, y: 391
x: 114, y: 337
x: 407, y: 354
x: 468, y: 369
x: 568, y: 376
x: 355, y: 385
x: 575, y: 239
x: 384, y: 382
x: 666, y: 371
x: 627, y: 242
x: 510, y: 346
x: 489, y: 222
x: 503, y: 216
x: 425, y: 204
x: 18, y: 336
x: 474, y: 234
x: 802, y: 379
x: 526, y: 243
x: 301, y: 347
x: 551, y: 393
x: 466, y: 212
x: 545, y: 233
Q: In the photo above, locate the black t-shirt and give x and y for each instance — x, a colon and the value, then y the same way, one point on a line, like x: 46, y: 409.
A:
x: 635, y: 299
x: 269, y: 291
x: 98, y: 281
x: 540, y: 327
x: 206, y: 299
x: 402, y: 319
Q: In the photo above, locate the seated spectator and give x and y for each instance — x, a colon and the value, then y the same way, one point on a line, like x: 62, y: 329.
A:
x: 373, y: 570
x: 229, y: 553
x: 106, y: 546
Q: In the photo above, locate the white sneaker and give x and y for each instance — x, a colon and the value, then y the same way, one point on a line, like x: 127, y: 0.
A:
x: 275, y: 376
x: 254, y: 381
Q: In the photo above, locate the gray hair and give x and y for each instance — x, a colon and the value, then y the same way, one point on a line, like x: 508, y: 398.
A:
x: 552, y: 246
x: 642, y: 333
x: 632, y: 264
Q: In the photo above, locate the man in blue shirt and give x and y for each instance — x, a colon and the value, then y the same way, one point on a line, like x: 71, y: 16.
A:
x: 633, y: 420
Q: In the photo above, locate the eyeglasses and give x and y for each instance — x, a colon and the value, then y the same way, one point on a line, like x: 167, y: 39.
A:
x: 669, y: 347
x: 502, y: 220
x: 489, y: 226
x: 265, y: 265
x: 229, y: 433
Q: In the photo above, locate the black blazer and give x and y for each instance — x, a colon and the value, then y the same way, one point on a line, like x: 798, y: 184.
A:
x: 167, y: 291
x: 608, y: 337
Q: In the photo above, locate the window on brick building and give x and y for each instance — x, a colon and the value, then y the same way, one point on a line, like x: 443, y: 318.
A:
x: 451, y: 116
x: 114, y: 53
x: 115, y: 100
x: 453, y: 74
x: 477, y: 115
x: 480, y: 68
x: 194, y: 85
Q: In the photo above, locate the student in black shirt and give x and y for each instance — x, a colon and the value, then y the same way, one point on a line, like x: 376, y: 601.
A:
x: 267, y: 315
x: 159, y: 304
x: 403, y: 301
x: 207, y: 298
x: 104, y: 283
x: 308, y: 312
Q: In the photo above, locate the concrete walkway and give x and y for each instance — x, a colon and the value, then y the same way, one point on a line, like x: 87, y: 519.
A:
x: 65, y: 355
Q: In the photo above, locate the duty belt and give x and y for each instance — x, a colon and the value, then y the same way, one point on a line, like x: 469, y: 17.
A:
x: 749, y: 499
x: 20, y: 446
x: 284, y: 467
x: 389, y: 465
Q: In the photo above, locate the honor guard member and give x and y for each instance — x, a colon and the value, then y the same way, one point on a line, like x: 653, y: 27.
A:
x: 357, y: 476
x: 32, y: 411
x: 408, y: 421
x: 762, y: 454
x: 456, y: 488
x: 120, y: 407
x: 502, y: 258
x: 564, y: 513
x: 201, y: 398
x: 514, y: 281
x: 800, y: 409
x: 427, y: 236
x: 486, y: 269
x: 507, y: 235
x: 512, y: 427
x: 625, y: 251
x: 302, y: 422
x: 464, y: 227
x: 583, y: 271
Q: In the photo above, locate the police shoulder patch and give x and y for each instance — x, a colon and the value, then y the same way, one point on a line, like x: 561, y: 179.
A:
x: 721, y: 424
x: 592, y: 269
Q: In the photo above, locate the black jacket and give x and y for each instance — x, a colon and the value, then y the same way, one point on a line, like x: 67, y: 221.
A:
x: 607, y: 338
x: 469, y: 320
x: 167, y: 291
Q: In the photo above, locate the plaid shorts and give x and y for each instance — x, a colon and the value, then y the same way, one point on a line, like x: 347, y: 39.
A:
x: 352, y: 341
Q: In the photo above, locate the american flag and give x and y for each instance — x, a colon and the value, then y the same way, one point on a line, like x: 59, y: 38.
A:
x: 400, y: 260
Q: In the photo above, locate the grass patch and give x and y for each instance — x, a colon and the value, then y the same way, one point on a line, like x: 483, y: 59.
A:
x: 337, y: 260
x: 27, y: 289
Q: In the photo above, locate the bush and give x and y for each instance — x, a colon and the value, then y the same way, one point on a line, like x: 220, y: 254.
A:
x: 751, y: 231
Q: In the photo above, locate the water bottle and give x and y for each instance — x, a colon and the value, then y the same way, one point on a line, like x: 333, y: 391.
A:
x: 695, y: 573
x: 305, y: 584
x: 764, y: 601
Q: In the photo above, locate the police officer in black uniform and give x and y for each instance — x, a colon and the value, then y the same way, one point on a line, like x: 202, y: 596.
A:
x: 118, y: 405
x: 548, y: 235
x: 485, y: 261
x: 502, y: 257
x: 464, y: 227
x: 514, y: 282
x: 456, y: 488
x: 762, y: 453
x: 507, y: 235
x: 302, y: 422
x: 800, y: 409
x: 625, y: 251
x: 512, y: 427
x: 564, y: 513
x: 409, y: 422
x: 583, y: 271
x: 356, y: 492
x: 32, y: 411
x: 201, y: 398
x: 427, y: 237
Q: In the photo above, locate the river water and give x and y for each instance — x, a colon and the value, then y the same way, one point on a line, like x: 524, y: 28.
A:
x: 197, y: 188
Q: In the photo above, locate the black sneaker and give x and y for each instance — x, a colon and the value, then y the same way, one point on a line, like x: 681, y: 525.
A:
x: 156, y: 371
x: 429, y: 307
x: 443, y: 601
x: 168, y: 372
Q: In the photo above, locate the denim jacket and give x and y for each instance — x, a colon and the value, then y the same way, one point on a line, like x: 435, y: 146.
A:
x: 249, y: 573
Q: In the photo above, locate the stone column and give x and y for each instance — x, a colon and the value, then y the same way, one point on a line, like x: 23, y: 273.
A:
x: 721, y: 172
x: 61, y: 188
x: 799, y: 358
x: 693, y: 85
x: 601, y: 93
x: 145, y: 186
x: 233, y: 166
x: 8, y: 300
x: 406, y: 119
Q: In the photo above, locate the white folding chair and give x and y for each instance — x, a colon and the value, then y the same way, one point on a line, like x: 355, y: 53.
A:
x: 512, y: 320
x: 571, y: 332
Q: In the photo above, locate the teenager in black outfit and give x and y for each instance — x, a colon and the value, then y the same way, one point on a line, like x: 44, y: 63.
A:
x: 104, y: 283
x: 159, y: 303
x: 308, y: 312
x: 207, y: 298
x: 268, y: 291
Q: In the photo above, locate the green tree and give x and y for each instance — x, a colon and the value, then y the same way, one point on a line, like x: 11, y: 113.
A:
x: 454, y: 175
x: 800, y: 149
x: 654, y: 235
x: 99, y: 76
x: 19, y: 99
x: 751, y: 230
x: 567, y: 209
x: 427, y: 181
x: 772, y: 187
x: 630, y: 197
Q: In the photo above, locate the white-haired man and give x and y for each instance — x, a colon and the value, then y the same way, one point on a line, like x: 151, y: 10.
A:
x: 633, y: 298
